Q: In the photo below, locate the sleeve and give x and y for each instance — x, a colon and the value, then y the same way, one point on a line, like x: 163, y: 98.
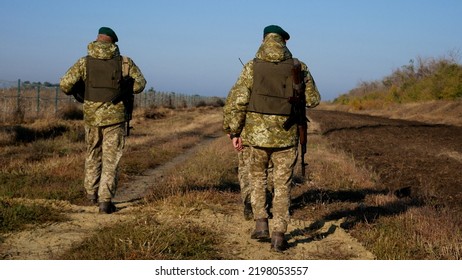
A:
x: 75, y: 73
x: 226, y: 128
x: 139, y: 80
x: 238, y: 100
x: 312, y: 94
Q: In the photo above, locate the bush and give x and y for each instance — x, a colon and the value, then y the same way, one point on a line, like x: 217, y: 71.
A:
x: 424, y: 80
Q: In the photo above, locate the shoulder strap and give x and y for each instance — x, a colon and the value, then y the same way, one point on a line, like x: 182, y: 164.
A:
x: 296, y: 61
x: 125, y: 66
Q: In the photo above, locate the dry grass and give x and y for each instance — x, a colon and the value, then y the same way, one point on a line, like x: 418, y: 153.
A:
x: 37, y: 158
x: 338, y: 188
x: 144, y: 238
x: 211, y: 168
x: 41, y: 166
x: 344, y: 172
x: 16, y: 216
x: 42, y: 156
x: 417, y: 233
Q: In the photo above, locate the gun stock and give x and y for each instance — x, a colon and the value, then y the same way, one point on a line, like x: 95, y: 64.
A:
x: 128, y: 102
x: 303, y: 131
x: 78, y: 91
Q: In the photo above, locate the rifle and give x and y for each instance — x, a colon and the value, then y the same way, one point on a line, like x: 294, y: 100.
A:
x: 127, y: 97
x: 78, y: 91
x: 298, y: 110
x: 126, y: 93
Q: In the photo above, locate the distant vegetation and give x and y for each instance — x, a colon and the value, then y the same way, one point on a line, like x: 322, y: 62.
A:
x: 420, y: 80
x: 28, y: 84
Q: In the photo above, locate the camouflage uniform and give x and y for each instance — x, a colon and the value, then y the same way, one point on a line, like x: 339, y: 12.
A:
x: 104, y: 125
x: 266, y: 136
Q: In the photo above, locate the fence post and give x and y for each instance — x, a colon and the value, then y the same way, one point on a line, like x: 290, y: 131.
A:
x: 145, y: 99
x: 18, y: 95
x: 38, y: 99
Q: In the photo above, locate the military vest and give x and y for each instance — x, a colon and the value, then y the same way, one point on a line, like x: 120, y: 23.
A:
x: 104, y: 77
x: 272, y: 87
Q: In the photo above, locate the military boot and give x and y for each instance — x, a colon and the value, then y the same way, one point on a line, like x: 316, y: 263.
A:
x: 278, y: 242
x: 92, y: 198
x: 261, y: 231
x: 107, y: 207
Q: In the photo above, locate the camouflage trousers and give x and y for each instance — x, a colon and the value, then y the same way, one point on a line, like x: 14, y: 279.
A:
x: 104, y: 150
x: 284, y: 160
x: 244, y: 175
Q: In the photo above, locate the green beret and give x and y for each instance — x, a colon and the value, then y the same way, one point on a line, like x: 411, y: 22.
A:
x: 276, y: 29
x: 109, y: 32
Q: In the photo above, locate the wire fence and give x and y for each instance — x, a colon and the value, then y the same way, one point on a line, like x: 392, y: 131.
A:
x: 24, y: 101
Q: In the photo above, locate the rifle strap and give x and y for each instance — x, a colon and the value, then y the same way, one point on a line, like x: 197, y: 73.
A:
x: 125, y: 66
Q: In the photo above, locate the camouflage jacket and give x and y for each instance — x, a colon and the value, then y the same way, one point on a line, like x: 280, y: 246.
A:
x: 264, y: 130
x: 101, y: 113
x: 226, y: 119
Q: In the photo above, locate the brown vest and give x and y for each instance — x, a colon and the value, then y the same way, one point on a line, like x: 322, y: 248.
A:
x: 103, y: 79
x: 272, y: 87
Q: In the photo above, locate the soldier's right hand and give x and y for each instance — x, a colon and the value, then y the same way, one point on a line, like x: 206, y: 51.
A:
x: 237, y: 144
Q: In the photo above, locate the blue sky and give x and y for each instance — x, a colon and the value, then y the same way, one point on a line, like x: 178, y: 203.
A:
x: 193, y: 47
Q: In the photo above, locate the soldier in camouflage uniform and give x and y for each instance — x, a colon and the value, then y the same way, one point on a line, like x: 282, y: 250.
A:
x: 261, y: 112
x: 104, y: 120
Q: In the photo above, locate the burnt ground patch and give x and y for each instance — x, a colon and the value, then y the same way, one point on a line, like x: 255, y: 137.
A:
x: 412, y: 159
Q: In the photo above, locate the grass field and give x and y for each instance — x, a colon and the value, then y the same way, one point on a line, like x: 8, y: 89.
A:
x: 43, y: 160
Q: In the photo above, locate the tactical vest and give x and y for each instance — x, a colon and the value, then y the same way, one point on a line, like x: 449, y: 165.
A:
x: 272, y: 87
x: 104, y: 77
